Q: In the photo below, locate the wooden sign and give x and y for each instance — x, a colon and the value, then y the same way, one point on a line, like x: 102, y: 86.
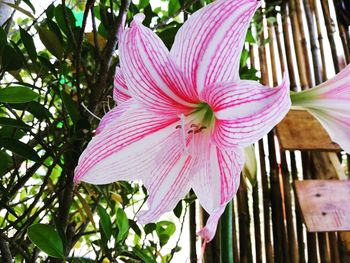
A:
x: 299, y: 130
x: 324, y: 204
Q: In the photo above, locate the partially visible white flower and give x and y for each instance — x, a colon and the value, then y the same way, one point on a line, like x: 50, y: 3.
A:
x: 329, y: 102
x: 5, y: 11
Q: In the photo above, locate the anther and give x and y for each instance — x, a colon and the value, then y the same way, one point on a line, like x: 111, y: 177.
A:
x: 178, y: 127
x: 190, y: 131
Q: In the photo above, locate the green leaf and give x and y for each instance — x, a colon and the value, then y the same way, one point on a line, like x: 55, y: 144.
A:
x: 3, y: 40
x: 3, y: 163
x: 164, y: 231
x: 30, y: 5
x: 35, y: 108
x: 143, y: 3
x: 47, y: 239
x: 178, y: 209
x: 250, y: 38
x: 19, y: 148
x: 13, y: 123
x: 71, y: 106
x: 51, y: 41
x: 123, y: 225
x: 244, y: 58
x: 17, y: 94
x: 59, y: 16
x: 11, y: 60
x: 142, y: 254
x: 173, y: 7
x: 28, y: 44
x: 18, y: 8
x: 271, y: 20
x: 105, y: 222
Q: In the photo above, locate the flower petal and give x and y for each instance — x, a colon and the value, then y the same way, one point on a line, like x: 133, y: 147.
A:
x: 168, y: 184
x: 208, y: 46
x: 329, y: 103
x: 120, y: 90
x: 151, y: 76
x: 113, y: 114
x: 216, y: 184
x: 125, y: 148
x: 245, y: 111
x: 337, y: 124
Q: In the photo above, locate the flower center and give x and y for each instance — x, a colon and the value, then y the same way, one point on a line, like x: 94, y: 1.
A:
x: 195, y: 128
x: 204, y: 115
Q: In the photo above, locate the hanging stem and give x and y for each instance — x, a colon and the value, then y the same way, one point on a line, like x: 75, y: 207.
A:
x: 226, y: 235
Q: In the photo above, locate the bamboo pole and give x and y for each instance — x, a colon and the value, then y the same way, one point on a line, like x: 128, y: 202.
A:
x: 320, y: 39
x: 297, y: 45
x: 192, y: 225
x: 279, y: 231
x: 245, y: 244
x: 313, y: 42
x: 255, y: 194
x: 303, y: 41
x: 330, y: 26
x: 264, y: 178
x: 287, y: 45
x: 234, y: 235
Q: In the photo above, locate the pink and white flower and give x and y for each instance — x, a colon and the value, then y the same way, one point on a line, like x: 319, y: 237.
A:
x: 329, y: 102
x: 188, y: 116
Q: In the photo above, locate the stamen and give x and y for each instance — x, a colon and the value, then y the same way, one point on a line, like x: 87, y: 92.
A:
x: 183, y: 134
x: 178, y: 127
x: 92, y: 114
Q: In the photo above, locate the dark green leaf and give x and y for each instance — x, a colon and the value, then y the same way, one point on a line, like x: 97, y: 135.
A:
x: 11, y: 60
x: 13, y: 123
x: 35, y: 108
x: 178, y: 209
x: 11, y: 132
x: 71, y: 106
x: 47, y: 239
x: 51, y: 41
x: 28, y: 44
x: 3, y: 163
x: 123, y: 225
x: 19, y: 148
x: 168, y: 35
x: 50, y: 11
x: 3, y: 40
x: 30, y: 5
x: 143, y: 3
x: 164, y: 231
x: 250, y: 38
x: 149, y: 228
x: 17, y: 94
x: 142, y: 254
x: 173, y: 7
x: 59, y: 16
x: 105, y: 222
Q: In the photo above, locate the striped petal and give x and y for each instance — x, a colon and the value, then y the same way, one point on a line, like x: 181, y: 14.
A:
x: 151, y: 76
x: 168, y: 183
x: 208, y: 46
x: 120, y: 90
x: 216, y: 184
x: 125, y: 149
x: 113, y: 114
x: 329, y: 103
x: 245, y: 111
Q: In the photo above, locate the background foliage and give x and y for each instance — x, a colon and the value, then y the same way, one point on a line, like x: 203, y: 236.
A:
x: 51, y: 71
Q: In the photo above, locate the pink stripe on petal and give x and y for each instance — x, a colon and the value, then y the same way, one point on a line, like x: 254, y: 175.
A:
x: 208, y: 46
x: 216, y: 184
x: 120, y: 90
x: 151, y: 76
x: 134, y: 134
x: 167, y: 185
x: 245, y: 111
x: 116, y: 112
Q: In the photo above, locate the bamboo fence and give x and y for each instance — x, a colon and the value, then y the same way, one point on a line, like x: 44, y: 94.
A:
x: 266, y: 223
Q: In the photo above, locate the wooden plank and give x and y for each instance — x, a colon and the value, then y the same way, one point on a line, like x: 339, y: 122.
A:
x: 312, y: 138
x: 324, y: 204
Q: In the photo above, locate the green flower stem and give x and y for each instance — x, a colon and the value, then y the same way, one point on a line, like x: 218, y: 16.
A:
x: 226, y: 235
x: 299, y: 98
